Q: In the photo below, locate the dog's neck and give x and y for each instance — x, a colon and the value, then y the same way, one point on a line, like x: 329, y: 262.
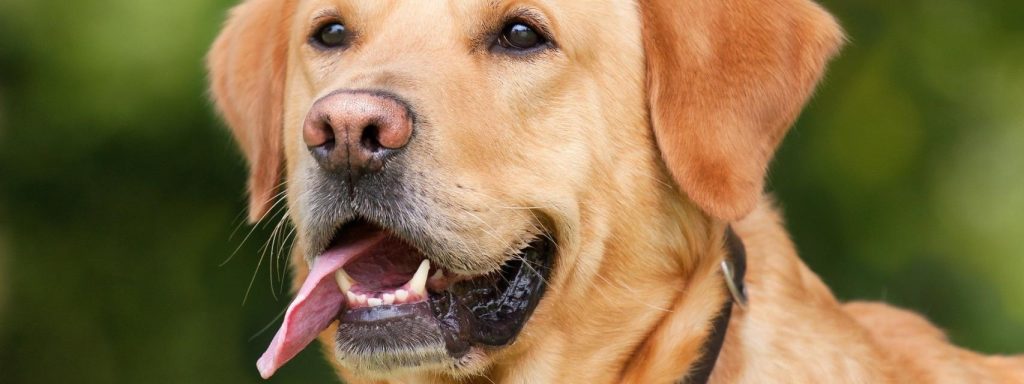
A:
x: 683, y: 346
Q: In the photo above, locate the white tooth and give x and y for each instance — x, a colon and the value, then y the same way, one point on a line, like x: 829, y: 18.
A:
x: 352, y: 299
x: 362, y: 299
x: 373, y: 302
x: 401, y: 295
x: 345, y: 281
x: 418, y: 284
x: 388, y: 298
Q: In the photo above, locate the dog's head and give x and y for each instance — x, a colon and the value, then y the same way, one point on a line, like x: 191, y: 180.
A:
x: 448, y: 164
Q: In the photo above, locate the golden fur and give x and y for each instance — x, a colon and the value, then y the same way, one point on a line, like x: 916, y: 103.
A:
x: 635, y: 142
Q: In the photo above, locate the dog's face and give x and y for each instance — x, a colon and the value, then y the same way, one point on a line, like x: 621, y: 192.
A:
x: 453, y: 167
x: 510, y: 109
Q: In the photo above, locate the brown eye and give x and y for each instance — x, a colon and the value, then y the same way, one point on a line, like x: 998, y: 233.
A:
x: 520, y: 37
x: 332, y: 35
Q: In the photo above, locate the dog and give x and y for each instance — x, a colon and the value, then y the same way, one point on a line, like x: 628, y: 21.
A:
x: 540, y: 191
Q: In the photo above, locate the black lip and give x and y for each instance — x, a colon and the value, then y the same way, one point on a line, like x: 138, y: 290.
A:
x: 499, y: 313
x: 489, y: 311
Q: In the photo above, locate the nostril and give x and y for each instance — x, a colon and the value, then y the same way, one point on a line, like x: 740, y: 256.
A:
x: 327, y: 137
x: 327, y: 146
x: 370, y: 138
x: 321, y: 141
x: 318, y: 133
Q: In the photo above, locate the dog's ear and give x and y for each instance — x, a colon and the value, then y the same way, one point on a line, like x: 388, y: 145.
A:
x: 247, y: 65
x: 726, y: 79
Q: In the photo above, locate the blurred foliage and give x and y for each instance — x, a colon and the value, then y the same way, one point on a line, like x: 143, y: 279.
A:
x: 120, y: 190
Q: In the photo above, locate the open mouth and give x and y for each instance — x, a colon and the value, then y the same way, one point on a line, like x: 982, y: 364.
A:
x: 396, y: 309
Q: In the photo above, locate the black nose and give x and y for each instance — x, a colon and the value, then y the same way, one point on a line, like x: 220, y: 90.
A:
x: 356, y: 132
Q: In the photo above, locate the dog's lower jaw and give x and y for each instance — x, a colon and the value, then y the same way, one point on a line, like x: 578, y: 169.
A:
x: 435, y: 367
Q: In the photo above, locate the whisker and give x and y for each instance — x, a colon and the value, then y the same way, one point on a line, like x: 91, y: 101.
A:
x: 282, y: 258
x: 274, y: 238
x: 240, y: 218
x: 252, y: 230
x: 259, y: 263
x: 269, y: 325
x: 240, y: 221
x: 253, y: 279
x: 277, y: 205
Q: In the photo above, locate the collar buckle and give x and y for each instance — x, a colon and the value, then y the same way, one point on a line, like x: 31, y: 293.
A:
x: 736, y: 287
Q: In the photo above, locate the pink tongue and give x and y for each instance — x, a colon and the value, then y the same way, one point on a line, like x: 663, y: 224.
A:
x: 315, y: 305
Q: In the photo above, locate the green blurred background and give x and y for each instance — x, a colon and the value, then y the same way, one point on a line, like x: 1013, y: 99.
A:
x: 120, y: 190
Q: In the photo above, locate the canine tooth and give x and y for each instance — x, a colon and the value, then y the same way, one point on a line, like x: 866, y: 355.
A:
x: 388, y: 298
x: 373, y: 302
x: 352, y: 299
x: 401, y: 295
x: 345, y: 281
x: 418, y: 284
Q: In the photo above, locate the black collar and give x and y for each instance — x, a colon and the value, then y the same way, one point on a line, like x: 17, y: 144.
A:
x: 734, y: 266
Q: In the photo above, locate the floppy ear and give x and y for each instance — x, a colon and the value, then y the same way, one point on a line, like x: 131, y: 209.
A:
x: 247, y: 66
x: 726, y: 79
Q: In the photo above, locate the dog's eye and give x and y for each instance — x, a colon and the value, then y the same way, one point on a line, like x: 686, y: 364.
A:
x: 517, y: 36
x: 332, y: 35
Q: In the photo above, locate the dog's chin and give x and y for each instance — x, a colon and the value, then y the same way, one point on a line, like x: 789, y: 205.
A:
x: 445, y: 328
x: 409, y: 342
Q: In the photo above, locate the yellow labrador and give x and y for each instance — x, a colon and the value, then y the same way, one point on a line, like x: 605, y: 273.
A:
x: 540, y: 191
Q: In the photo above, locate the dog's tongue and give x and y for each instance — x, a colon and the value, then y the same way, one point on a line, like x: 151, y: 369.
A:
x: 315, y: 306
